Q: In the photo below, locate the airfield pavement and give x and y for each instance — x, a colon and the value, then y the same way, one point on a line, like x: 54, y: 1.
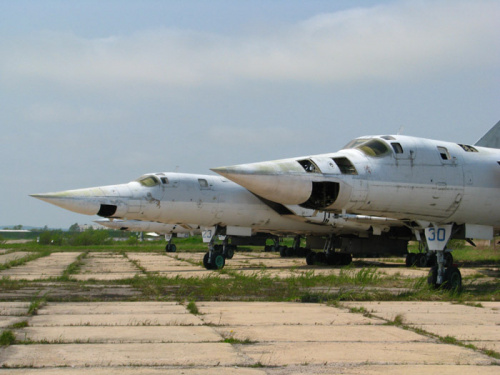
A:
x: 242, y: 338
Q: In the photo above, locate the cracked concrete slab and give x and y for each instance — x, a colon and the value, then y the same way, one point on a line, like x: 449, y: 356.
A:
x: 92, y: 308
x: 298, y: 353
x: 320, y: 333
x: 261, y: 313
x: 13, y: 256
x: 42, y: 268
x: 192, y: 370
x: 146, y: 354
x: 106, y: 266
x: 118, y: 334
x: 115, y: 320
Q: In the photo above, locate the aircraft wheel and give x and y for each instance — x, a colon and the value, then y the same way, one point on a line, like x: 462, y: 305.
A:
x: 346, y: 259
x: 421, y: 260
x: 321, y: 258
x: 448, y: 260
x: 283, y: 251
x: 171, y: 248
x: 333, y: 259
x: 453, y: 278
x: 302, y: 252
x: 311, y: 258
x: 206, y: 264
x: 218, y: 261
x: 432, y: 260
x: 229, y: 252
x: 410, y: 259
x: 432, y: 278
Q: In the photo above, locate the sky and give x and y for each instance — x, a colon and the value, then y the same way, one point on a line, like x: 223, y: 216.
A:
x: 100, y: 92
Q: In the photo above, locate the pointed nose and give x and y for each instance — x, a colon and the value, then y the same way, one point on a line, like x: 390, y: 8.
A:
x: 103, y: 201
x: 281, y: 181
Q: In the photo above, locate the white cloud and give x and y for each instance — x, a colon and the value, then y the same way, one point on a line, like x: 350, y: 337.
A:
x: 385, y: 42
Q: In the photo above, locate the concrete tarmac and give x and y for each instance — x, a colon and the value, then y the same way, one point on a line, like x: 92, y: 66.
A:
x: 247, y: 338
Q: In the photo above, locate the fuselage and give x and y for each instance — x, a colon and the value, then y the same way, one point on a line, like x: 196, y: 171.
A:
x: 202, y: 200
x: 394, y: 176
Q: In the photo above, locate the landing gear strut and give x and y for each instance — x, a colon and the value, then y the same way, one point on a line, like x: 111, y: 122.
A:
x: 170, y: 247
x: 215, y: 258
x: 329, y: 256
x: 295, y: 250
x: 444, y: 274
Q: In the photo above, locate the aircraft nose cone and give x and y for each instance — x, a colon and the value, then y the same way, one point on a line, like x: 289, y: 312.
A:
x: 281, y: 181
x: 82, y: 201
x: 103, y: 200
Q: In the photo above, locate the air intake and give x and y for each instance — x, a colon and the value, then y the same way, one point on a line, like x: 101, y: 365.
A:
x: 107, y: 210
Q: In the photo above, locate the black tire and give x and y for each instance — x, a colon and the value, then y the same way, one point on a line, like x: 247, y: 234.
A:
x: 229, y: 253
x: 206, y: 264
x: 421, y: 260
x: 410, y: 259
x: 333, y: 259
x: 218, y: 261
x: 432, y: 278
x: 283, y: 251
x: 346, y: 259
x: 448, y: 260
x: 321, y: 258
x: 432, y: 260
x: 453, y: 278
x: 311, y: 258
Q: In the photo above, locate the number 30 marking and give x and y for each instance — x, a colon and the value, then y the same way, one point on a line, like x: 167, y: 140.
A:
x: 439, y: 236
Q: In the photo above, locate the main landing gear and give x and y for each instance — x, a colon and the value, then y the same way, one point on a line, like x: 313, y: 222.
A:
x: 295, y: 250
x: 444, y: 274
x: 170, y: 247
x: 428, y: 259
x: 329, y: 256
x: 215, y: 257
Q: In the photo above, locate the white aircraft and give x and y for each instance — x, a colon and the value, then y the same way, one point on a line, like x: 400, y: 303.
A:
x: 440, y: 190
x: 218, y: 206
x: 168, y: 230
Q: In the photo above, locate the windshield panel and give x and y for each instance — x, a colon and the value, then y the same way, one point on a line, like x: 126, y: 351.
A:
x: 148, y: 181
x: 374, y: 148
x: 355, y: 142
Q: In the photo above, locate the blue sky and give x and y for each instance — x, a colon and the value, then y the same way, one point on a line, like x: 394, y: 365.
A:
x: 100, y: 92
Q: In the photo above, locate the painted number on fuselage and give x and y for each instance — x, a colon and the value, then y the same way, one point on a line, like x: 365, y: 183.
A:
x: 436, y: 234
x: 437, y: 237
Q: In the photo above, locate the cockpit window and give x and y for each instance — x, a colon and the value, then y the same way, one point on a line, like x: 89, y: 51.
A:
x: 398, y: 149
x: 149, y: 181
x: 309, y: 166
x: 356, y: 142
x: 374, y: 147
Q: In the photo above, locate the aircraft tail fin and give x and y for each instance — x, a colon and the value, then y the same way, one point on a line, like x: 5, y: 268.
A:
x: 491, y: 139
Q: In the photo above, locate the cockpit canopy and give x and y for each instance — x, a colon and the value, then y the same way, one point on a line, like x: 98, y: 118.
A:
x: 148, y: 181
x: 370, y: 146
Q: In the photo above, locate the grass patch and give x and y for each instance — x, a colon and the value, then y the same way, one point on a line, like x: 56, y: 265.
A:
x: 18, y: 325
x: 7, y: 338
x: 74, y: 267
x: 192, y: 308
x: 232, y: 340
x: 36, y: 304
